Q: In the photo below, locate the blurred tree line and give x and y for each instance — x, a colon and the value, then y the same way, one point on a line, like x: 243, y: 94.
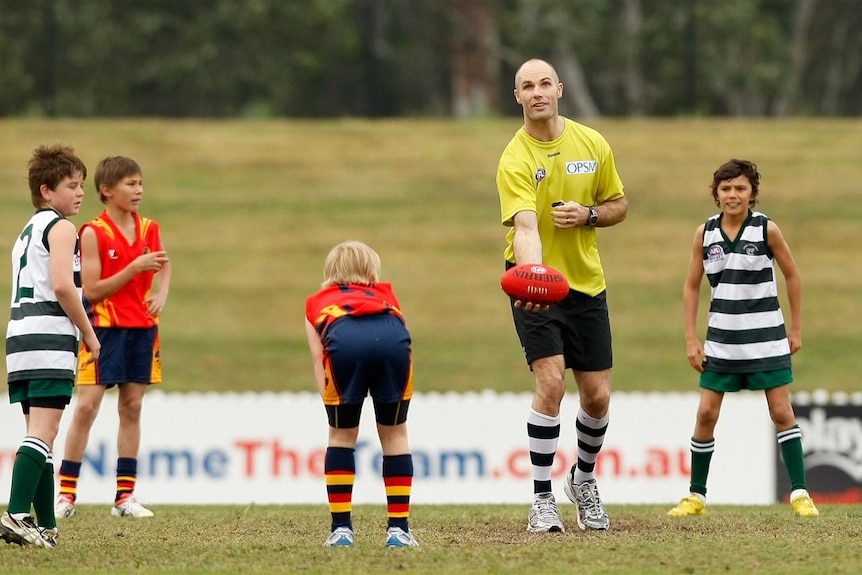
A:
x: 375, y: 58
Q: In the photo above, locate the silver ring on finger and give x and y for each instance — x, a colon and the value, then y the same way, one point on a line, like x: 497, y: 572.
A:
x: 567, y: 220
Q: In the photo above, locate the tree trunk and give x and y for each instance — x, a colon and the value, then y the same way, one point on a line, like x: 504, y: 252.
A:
x: 380, y: 97
x: 633, y: 79
x: 576, y: 93
x: 799, y: 55
x: 475, y: 58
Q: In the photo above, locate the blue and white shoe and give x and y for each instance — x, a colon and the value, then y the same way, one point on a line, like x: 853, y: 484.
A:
x: 397, y: 537
x: 340, y: 537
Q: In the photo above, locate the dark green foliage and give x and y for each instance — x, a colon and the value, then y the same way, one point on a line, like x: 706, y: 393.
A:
x: 385, y: 58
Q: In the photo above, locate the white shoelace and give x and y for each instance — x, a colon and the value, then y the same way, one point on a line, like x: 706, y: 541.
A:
x: 592, y: 502
x: 548, y: 511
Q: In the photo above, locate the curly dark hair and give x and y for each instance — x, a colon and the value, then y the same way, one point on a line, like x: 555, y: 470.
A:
x: 733, y: 169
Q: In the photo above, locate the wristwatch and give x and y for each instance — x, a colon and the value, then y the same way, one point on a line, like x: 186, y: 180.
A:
x: 594, y: 216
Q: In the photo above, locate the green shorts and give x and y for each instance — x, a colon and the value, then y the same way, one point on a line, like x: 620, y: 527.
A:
x: 21, y: 391
x: 759, y: 380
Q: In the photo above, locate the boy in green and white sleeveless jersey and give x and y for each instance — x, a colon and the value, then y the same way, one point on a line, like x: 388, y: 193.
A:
x: 747, y: 345
x: 47, y: 316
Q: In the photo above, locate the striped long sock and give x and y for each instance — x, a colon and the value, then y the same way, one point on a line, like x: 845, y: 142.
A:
x: 790, y: 442
x: 701, y: 456
x: 340, y: 469
x: 43, y: 500
x: 70, y: 471
x: 27, y: 473
x: 127, y: 477
x: 398, y: 479
x: 543, y: 435
x: 591, y: 437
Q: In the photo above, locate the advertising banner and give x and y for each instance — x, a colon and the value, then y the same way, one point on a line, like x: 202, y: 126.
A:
x: 468, y: 448
x: 832, y: 443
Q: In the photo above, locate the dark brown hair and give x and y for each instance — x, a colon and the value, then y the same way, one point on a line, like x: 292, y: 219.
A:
x: 734, y: 169
x: 49, y: 165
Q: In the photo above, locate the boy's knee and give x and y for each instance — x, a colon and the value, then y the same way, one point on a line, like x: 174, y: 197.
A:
x: 85, y: 414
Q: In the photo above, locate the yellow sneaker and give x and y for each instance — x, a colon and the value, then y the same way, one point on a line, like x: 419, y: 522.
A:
x: 691, y: 505
x: 804, y: 507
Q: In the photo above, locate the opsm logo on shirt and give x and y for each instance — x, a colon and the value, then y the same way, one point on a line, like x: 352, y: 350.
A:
x: 582, y: 167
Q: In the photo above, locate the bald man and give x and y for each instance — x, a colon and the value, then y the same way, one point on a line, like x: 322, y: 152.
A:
x: 557, y: 183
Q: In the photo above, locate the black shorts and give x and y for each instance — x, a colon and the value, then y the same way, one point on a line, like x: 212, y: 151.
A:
x: 578, y: 328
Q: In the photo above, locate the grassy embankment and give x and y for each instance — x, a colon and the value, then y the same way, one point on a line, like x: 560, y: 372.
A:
x: 249, y: 210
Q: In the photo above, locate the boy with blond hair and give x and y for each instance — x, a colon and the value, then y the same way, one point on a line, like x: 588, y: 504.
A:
x: 360, y: 345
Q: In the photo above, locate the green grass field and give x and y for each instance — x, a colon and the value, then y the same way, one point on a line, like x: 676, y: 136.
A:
x: 454, y: 539
x: 250, y: 209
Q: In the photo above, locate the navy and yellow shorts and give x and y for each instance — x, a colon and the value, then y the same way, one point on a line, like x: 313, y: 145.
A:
x: 367, y: 355
x: 129, y: 355
x: 759, y: 380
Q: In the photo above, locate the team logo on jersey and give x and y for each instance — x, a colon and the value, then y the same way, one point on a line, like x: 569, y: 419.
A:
x: 750, y: 249
x: 540, y: 174
x: 715, y: 253
x: 112, y: 254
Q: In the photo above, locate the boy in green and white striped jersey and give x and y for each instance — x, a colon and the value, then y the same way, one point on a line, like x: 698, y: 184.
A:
x: 46, y: 318
x: 747, y: 345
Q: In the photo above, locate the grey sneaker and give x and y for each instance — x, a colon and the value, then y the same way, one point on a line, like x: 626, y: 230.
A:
x: 22, y: 531
x: 340, y: 537
x: 588, y: 504
x: 544, y: 515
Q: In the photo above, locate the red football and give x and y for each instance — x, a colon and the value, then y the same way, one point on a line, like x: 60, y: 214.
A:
x: 535, y: 283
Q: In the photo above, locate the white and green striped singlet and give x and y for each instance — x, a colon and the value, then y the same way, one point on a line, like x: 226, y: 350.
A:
x: 746, y: 330
x: 41, y: 340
